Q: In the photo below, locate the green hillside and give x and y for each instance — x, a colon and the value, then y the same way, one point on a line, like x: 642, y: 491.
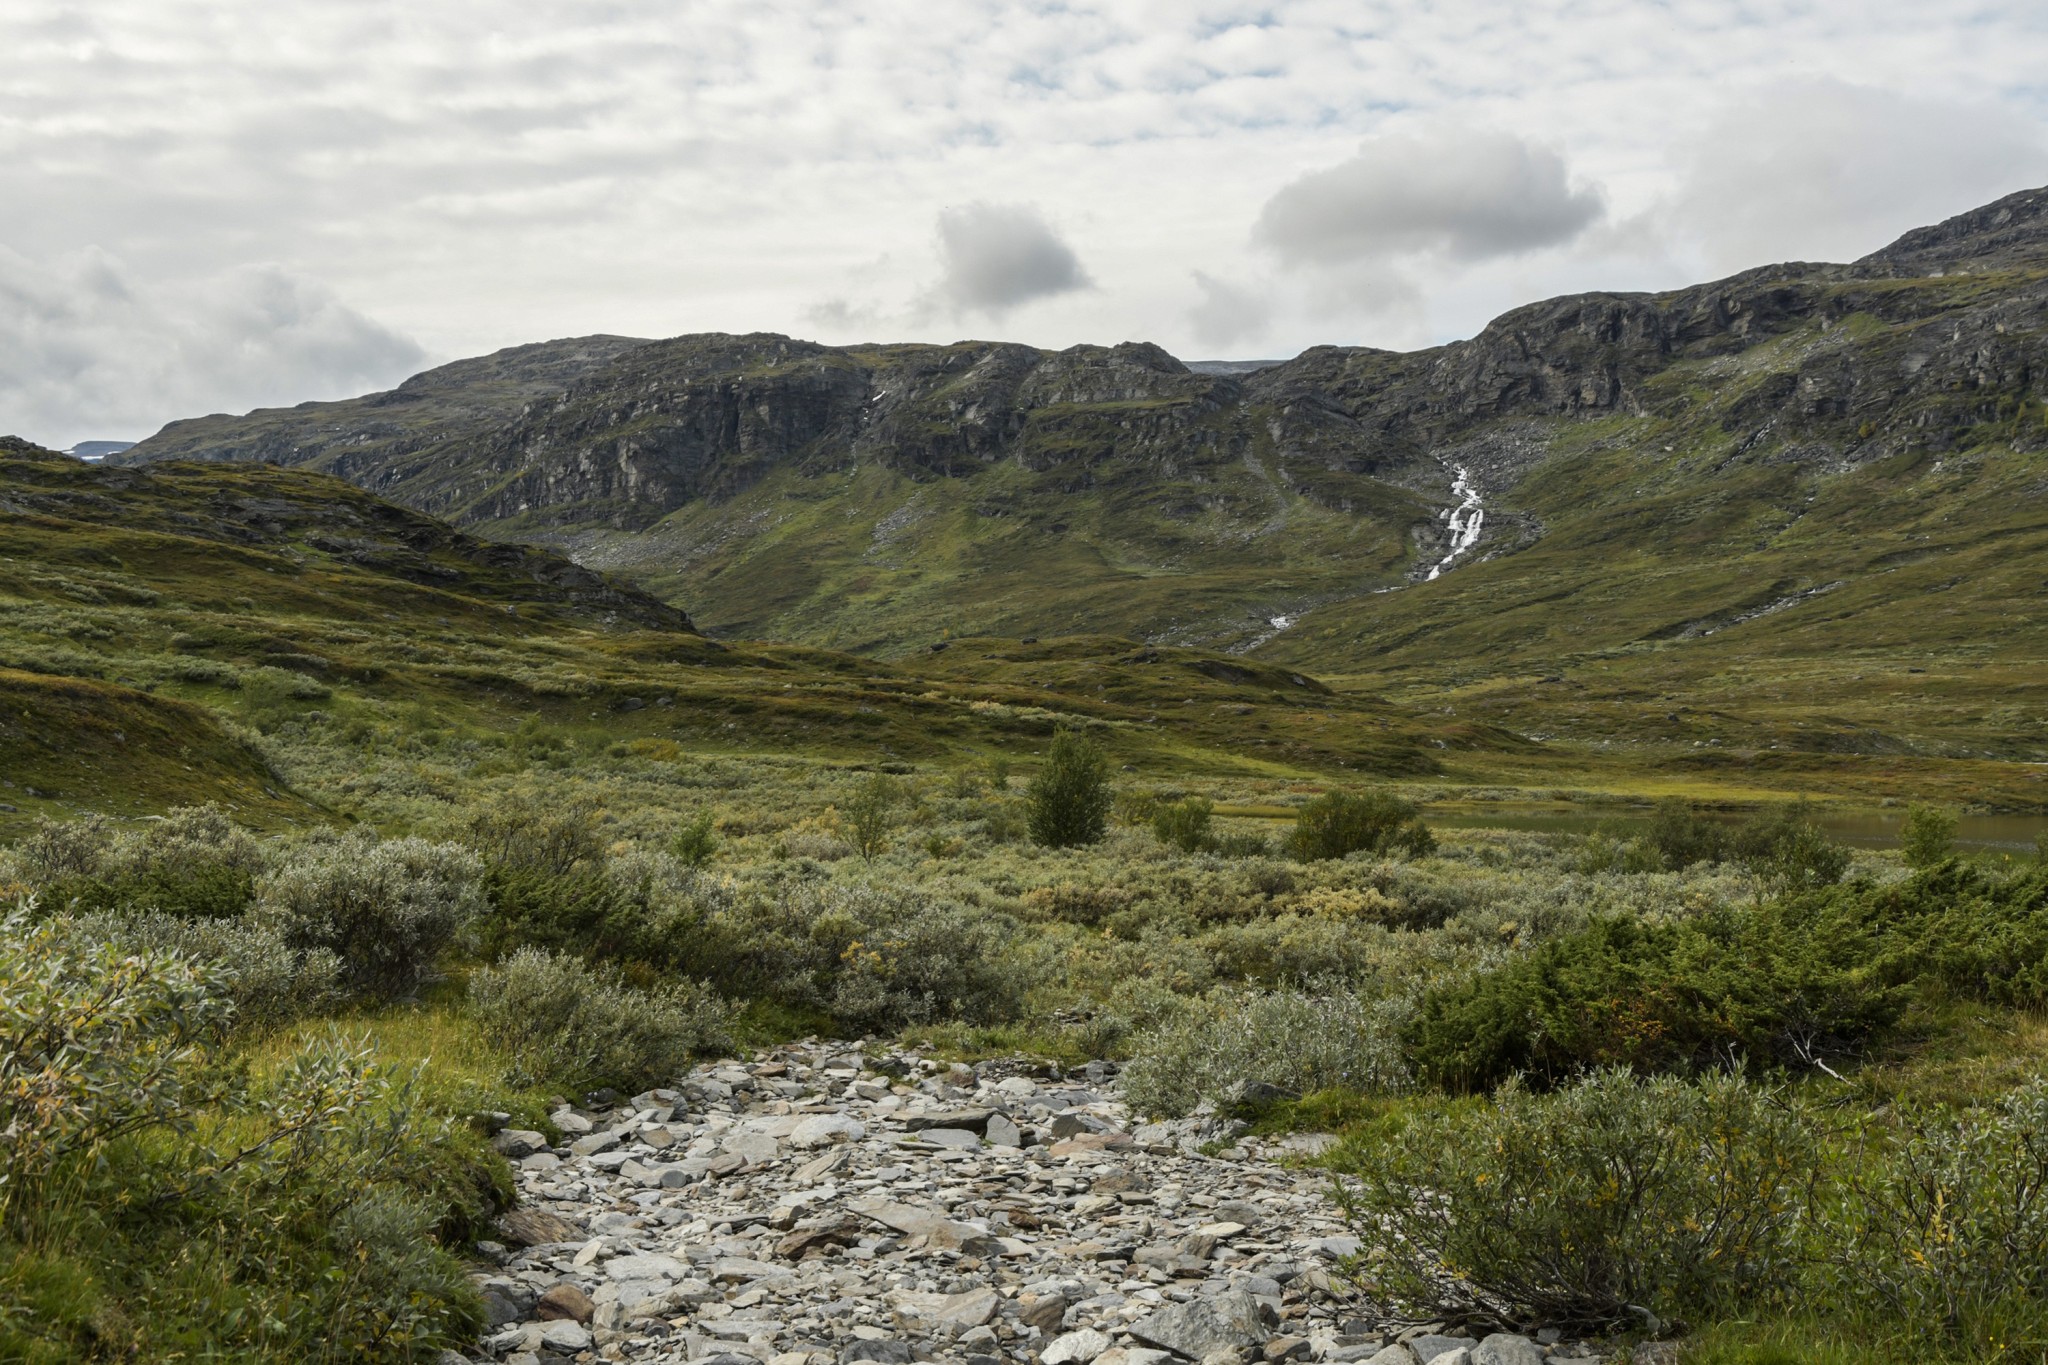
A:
x: 191, y: 631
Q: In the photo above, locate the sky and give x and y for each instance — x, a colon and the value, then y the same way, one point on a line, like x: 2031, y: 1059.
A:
x: 212, y: 205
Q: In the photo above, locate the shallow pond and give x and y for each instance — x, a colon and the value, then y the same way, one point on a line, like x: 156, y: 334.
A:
x: 1868, y: 829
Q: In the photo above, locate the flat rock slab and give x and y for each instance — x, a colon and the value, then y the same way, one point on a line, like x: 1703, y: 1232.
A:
x: 1090, y: 1142
x: 1075, y: 1348
x: 537, y: 1227
x: 645, y: 1268
x: 1194, y: 1329
x: 903, y: 1218
x: 973, y: 1120
x: 755, y: 1149
x: 1504, y: 1348
x: 826, y: 1130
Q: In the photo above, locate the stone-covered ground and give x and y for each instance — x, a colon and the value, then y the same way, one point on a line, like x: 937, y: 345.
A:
x: 822, y: 1207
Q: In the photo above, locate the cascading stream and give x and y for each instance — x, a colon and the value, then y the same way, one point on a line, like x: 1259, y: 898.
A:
x: 1466, y: 519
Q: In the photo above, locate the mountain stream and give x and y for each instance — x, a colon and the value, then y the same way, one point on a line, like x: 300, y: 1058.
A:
x: 1466, y: 519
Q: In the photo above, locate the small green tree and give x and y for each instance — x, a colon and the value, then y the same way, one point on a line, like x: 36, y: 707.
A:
x: 1069, y: 795
x: 1929, y: 836
x: 1184, y: 824
x: 869, y: 814
x: 695, y: 844
x: 1337, y: 823
x: 1682, y: 837
x: 1785, y: 851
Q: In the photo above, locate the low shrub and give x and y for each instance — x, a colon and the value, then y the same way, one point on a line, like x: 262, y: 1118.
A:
x: 527, y: 834
x: 96, y: 1042
x: 1617, y: 1202
x: 1243, y: 846
x: 642, y: 908
x: 1726, y: 988
x: 385, y: 909
x: 194, y: 863
x: 1942, y: 1230
x: 1184, y: 824
x: 569, y: 1024
x: 1337, y: 824
x: 1299, y: 1040
x: 152, y: 1203
x: 267, y: 981
x: 62, y: 849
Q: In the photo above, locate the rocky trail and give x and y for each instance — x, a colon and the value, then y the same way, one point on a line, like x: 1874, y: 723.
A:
x: 819, y: 1206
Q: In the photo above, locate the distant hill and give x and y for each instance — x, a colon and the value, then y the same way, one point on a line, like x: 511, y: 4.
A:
x: 1801, y: 453
x: 1231, y: 367
x: 98, y: 450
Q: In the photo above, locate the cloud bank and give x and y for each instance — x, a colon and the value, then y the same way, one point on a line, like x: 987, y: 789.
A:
x: 85, y: 351
x: 1223, y: 173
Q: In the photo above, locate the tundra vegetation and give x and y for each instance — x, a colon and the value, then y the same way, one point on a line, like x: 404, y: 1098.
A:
x: 1672, y: 1075
x: 330, y: 827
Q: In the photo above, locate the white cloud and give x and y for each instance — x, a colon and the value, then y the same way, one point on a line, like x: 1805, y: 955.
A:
x: 1464, y: 194
x: 475, y: 174
x: 85, y: 353
x: 1826, y: 171
x: 996, y: 257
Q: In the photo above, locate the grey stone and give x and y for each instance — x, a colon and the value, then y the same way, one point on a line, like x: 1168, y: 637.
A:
x: 1001, y: 1132
x: 1044, y: 1311
x: 1075, y: 1348
x: 951, y: 1137
x: 825, y: 1130
x: 590, y: 1144
x: 1505, y: 1348
x: 1428, y: 1346
x: 1388, y: 1355
x: 973, y: 1120
x: 514, y: 1143
x: 644, y: 1268
x: 755, y: 1149
x: 1198, y: 1327
x: 565, y: 1336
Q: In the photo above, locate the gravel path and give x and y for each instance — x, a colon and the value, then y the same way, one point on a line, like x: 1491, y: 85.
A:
x: 821, y: 1207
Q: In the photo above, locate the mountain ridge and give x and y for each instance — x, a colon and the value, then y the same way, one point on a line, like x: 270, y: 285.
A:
x: 880, y: 497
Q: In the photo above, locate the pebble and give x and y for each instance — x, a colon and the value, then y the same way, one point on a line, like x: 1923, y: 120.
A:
x: 825, y: 1205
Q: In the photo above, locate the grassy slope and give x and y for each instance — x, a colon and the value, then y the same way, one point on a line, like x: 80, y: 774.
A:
x: 143, y: 615
x: 1702, y: 611
x: 870, y: 559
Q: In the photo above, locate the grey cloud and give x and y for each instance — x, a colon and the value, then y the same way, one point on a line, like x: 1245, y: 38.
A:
x: 1822, y: 170
x: 1227, y: 313
x: 84, y: 352
x: 996, y: 257
x: 1462, y: 193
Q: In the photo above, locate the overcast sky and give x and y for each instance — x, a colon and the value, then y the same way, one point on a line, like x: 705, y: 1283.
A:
x: 216, y: 204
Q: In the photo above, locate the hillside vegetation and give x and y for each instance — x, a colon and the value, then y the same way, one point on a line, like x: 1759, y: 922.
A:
x: 349, y: 846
